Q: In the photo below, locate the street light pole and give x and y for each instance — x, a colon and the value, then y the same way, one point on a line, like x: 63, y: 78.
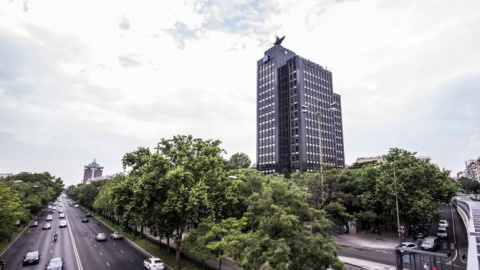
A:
x: 399, y: 230
x: 319, y: 115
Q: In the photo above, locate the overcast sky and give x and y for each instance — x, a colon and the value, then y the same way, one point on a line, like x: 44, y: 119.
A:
x: 96, y: 79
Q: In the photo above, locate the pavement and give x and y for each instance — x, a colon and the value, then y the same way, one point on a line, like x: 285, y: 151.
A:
x: 362, y: 240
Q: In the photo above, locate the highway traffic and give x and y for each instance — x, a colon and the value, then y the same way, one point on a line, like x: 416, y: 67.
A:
x: 76, y: 243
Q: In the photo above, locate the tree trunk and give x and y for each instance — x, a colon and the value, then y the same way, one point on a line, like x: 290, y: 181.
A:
x: 179, y: 239
x: 168, y: 244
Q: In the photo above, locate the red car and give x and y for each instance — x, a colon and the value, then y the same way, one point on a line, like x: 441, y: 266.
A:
x: 34, y: 224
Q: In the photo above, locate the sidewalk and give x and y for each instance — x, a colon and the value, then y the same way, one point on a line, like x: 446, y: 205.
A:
x: 363, y: 240
x: 386, y: 241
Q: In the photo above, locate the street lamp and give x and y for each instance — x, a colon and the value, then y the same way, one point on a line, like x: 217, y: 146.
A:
x: 399, y: 229
x: 319, y: 114
x: 233, y: 177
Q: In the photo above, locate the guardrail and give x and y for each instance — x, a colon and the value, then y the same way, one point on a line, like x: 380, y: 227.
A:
x: 470, y: 214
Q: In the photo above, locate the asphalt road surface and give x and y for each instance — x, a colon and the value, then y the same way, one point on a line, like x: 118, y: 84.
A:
x: 76, y: 244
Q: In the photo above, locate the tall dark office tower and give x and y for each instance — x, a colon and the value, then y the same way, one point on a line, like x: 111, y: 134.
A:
x: 293, y: 96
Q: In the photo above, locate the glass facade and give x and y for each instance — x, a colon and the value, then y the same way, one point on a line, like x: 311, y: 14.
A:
x: 288, y: 139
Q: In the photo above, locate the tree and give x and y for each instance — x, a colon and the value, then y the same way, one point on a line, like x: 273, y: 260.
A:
x: 11, y: 210
x: 469, y: 185
x: 290, y: 233
x: 238, y: 161
x: 419, y: 186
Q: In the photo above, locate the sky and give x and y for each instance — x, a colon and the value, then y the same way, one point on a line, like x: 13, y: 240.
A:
x: 95, y: 79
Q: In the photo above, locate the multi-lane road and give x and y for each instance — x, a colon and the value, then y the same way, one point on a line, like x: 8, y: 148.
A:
x: 76, y: 244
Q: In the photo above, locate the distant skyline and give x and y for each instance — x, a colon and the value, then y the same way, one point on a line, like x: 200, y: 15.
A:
x: 96, y: 79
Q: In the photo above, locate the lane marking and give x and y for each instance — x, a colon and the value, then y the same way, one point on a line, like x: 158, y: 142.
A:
x: 121, y: 251
x: 108, y: 264
x: 74, y: 245
x: 101, y: 254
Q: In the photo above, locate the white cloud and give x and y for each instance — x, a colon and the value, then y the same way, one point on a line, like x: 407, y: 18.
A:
x: 87, y: 79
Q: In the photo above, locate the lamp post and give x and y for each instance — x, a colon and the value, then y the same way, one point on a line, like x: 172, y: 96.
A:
x: 399, y: 230
x: 233, y: 177
x: 319, y: 115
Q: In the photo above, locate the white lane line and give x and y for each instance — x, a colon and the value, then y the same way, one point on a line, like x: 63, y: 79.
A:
x: 121, y: 251
x: 108, y: 264
x: 101, y: 254
x: 74, y: 245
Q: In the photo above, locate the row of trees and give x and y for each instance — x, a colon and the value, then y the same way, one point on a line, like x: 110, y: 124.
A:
x: 23, y: 196
x: 261, y: 221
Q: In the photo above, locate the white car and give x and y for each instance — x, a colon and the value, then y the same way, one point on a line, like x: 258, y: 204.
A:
x: 153, y: 264
x: 49, y: 217
x: 63, y: 223
x: 443, y: 223
x: 409, y: 245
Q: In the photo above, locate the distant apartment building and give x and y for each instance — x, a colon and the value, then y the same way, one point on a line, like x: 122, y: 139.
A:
x: 5, y: 175
x: 299, y: 117
x: 362, y: 160
x: 472, y: 169
x: 92, y: 171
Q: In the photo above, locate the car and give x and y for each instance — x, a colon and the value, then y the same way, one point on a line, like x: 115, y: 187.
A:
x: 47, y: 226
x: 63, y: 224
x: 153, y: 264
x: 31, y: 257
x: 408, y: 245
x: 430, y: 243
x: 34, y: 224
x: 85, y: 220
x: 52, y: 210
x: 49, y: 218
x: 60, y: 211
x: 101, y: 237
x: 443, y: 223
x: 55, y: 264
x: 442, y: 232
x: 88, y: 215
x: 62, y: 215
x: 61, y: 205
x: 76, y: 206
x: 116, y: 236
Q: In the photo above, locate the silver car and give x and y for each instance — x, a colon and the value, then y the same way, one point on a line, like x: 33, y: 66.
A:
x: 101, y: 237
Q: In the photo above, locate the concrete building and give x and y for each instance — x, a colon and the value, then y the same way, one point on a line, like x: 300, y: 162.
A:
x: 92, y: 171
x: 5, y: 175
x: 472, y: 169
x: 294, y: 94
x: 362, y: 160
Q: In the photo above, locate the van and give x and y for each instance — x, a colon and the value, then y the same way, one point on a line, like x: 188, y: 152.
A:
x: 430, y: 243
x: 442, y: 232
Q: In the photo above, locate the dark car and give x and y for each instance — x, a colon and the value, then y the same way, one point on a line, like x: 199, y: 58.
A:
x: 89, y: 215
x: 85, y: 220
x: 31, y: 257
x: 101, y: 237
x: 55, y: 264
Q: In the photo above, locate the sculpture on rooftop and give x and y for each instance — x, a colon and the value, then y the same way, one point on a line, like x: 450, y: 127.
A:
x: 278, y: 40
